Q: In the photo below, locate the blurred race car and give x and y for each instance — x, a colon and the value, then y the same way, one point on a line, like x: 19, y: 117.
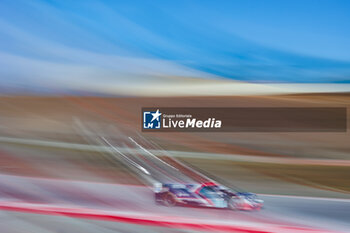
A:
x: 205, y: 195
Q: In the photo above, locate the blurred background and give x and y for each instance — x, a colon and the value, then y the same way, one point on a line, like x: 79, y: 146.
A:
x: 74, y: 76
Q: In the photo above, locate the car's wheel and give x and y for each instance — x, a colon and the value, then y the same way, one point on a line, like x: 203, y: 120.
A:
x: 234, y: 203
x: 169, y: 200
x: 158, y: 198
x: 158, y: 202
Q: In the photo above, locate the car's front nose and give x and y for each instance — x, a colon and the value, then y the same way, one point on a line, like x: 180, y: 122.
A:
x: 251, y: 201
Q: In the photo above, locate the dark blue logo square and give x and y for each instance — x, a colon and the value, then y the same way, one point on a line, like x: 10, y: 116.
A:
x: 151, y: 120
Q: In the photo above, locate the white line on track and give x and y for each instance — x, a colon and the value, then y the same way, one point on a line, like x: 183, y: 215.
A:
x: 306, y: 197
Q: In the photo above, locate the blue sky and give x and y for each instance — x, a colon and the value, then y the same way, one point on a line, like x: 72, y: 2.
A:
x: 62, y: 42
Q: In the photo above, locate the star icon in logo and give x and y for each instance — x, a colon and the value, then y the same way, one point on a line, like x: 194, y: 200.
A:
x: 156, y: 115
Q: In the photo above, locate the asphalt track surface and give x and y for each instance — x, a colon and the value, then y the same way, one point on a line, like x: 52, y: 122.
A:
x: 281, y: 213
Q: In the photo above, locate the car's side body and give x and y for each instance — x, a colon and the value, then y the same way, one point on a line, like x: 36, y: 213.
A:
x: 206, y: 195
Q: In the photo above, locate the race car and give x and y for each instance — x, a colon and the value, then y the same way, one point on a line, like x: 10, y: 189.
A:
x: 205, y: 195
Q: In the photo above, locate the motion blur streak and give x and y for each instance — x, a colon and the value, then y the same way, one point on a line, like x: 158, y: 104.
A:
x: 75, y: 76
